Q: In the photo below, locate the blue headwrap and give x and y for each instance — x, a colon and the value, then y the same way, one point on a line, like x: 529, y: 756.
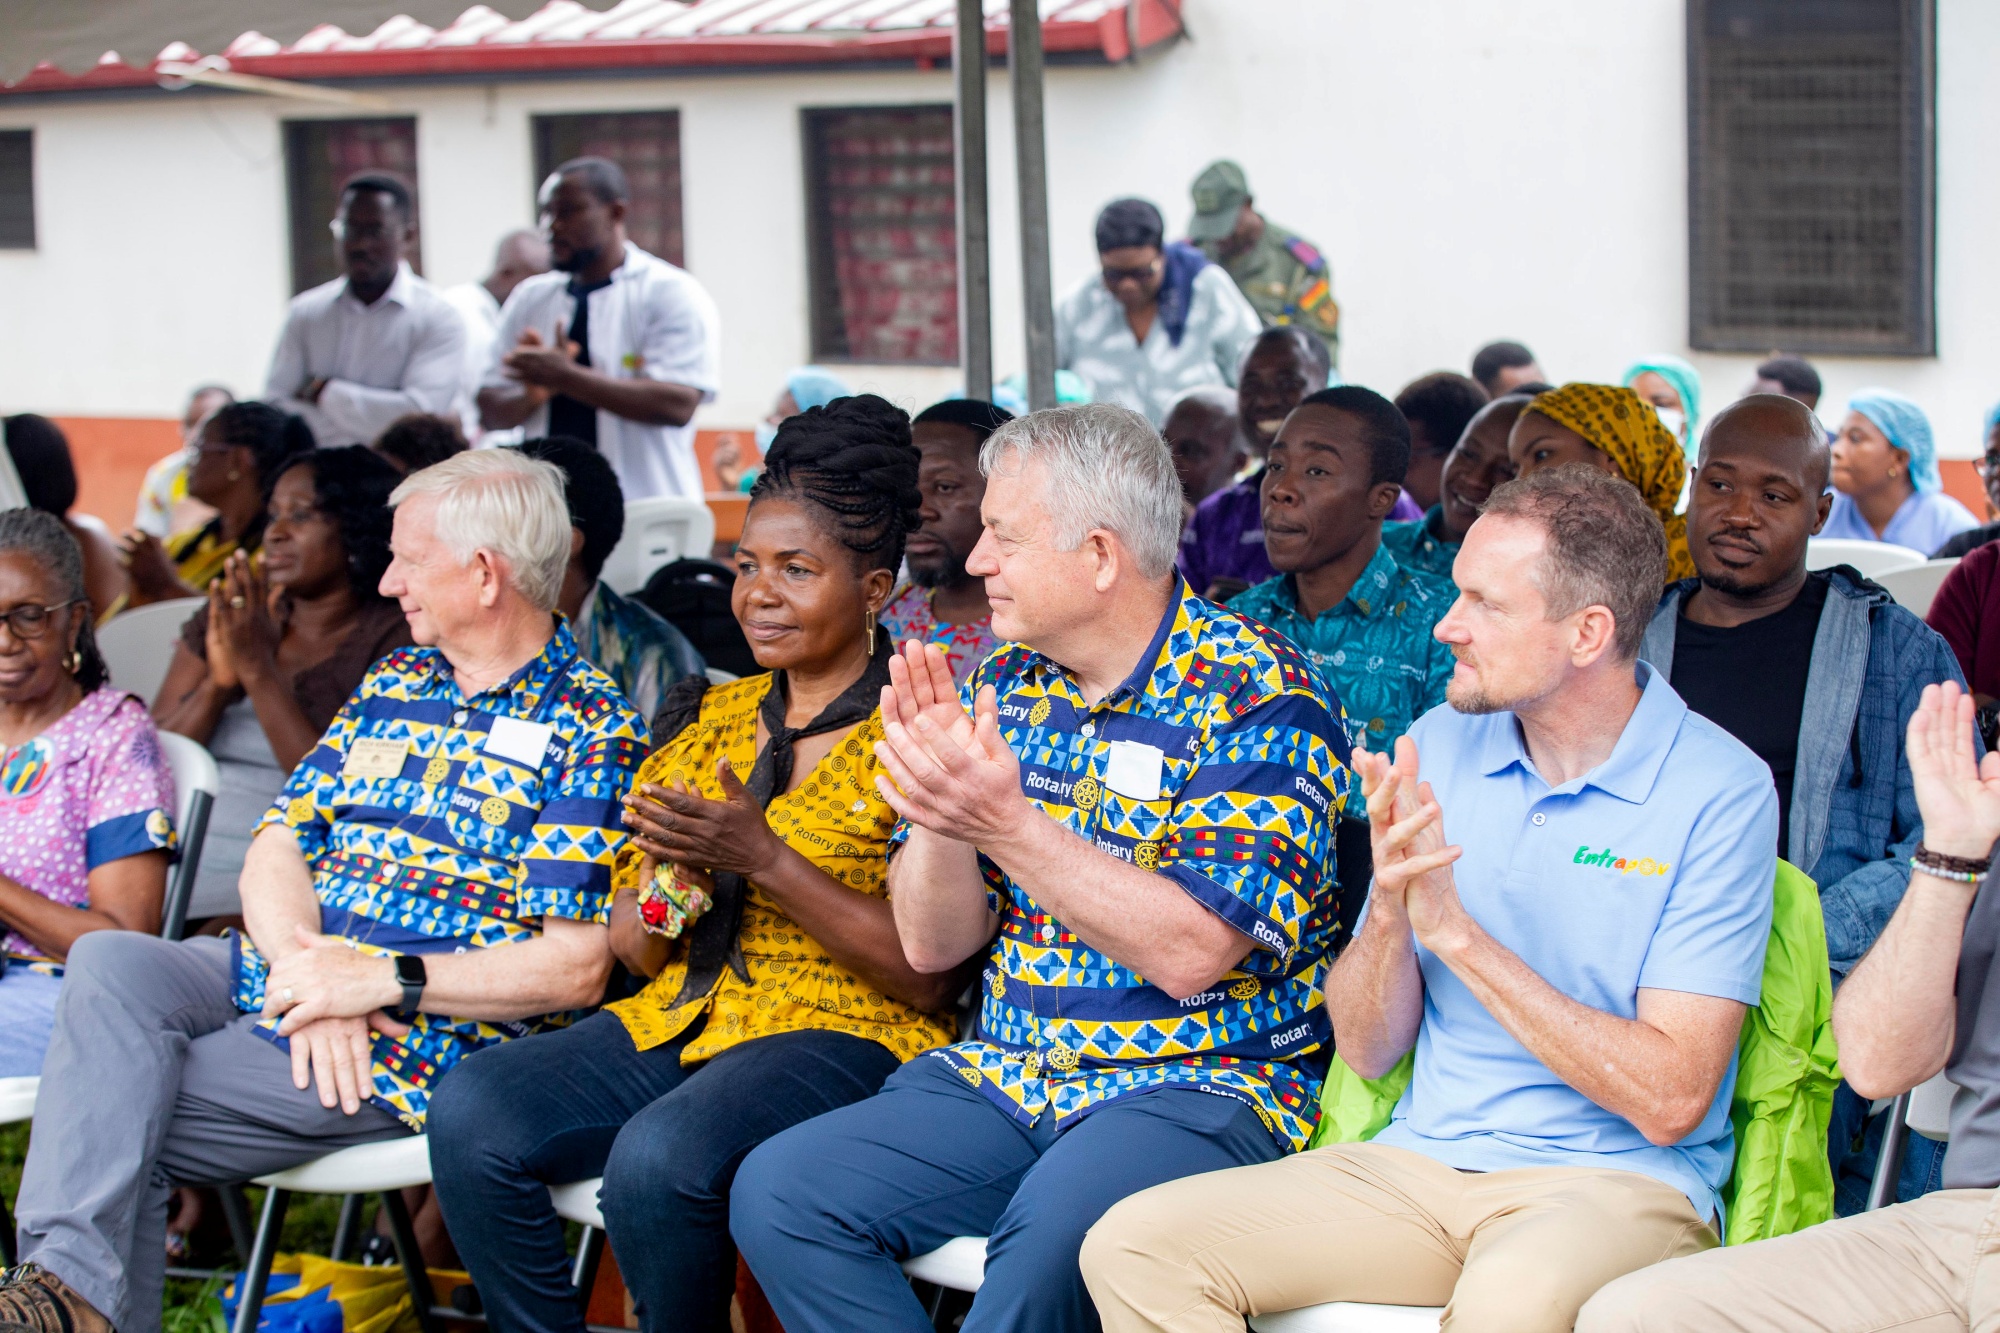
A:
x: 1992, y: 420
x: 812, y: 387
x: 1686, y: 382
x: 1907, y: 428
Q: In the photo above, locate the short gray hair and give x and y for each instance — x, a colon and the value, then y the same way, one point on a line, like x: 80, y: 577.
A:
x: 1601, y: 545
x: 1107, y: 468
x: 501, y: 501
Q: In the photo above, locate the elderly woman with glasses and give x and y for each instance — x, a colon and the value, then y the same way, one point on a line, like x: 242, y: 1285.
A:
x: 85, y: 793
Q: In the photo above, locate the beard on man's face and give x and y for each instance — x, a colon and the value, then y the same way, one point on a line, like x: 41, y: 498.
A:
x: 577, y: 260
x: 1733, y: 584
x: 939, y: 571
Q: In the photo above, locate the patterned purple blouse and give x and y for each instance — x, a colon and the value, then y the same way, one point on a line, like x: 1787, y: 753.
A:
x: 91, y: 789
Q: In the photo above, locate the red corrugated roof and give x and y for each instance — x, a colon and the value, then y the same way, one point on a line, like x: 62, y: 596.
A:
x: 565, y: 35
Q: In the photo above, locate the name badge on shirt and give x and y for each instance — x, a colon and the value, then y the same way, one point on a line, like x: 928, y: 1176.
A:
x: 522, y: 742
x: 374, y: 757
x: 1133, y: 770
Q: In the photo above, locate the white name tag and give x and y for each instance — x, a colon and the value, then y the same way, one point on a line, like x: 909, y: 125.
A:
x: 522, y: 742
x: 1134, y: 770
x: 375, y: 758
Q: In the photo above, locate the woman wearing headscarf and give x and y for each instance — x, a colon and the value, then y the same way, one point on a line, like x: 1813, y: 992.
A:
x: 1673, y: 387
x: 805, y: 388
x: 1885, y: 476
x: 1610, y: 428
x: 753, y: 894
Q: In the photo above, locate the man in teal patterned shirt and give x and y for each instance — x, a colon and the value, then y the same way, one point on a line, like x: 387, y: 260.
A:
x: 1363, y: 620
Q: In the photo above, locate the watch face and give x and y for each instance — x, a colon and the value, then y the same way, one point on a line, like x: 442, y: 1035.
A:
x: 410, y: 969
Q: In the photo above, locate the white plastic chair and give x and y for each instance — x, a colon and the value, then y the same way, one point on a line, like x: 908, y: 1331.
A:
x: 1869, y: 559
x: 138, y: 645
x: 386, y: 1168
x: 197, y: 782
x: 717, y: 676
x: 1914, y: 586
x: 658, y: 532
x: 1924, y: 1109
x: 960, y: 1265
x: 577, y: 1202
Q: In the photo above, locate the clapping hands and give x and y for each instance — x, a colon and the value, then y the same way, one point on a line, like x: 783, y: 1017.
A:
x: 1406, y: 831
x: 948, y: 772
x: 1958, y: 795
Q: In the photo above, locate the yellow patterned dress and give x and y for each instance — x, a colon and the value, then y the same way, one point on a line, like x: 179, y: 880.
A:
x: 834, y: 818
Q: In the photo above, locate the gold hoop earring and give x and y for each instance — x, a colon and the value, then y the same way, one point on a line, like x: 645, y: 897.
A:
x: 75, y: 663
x: 234, y: 474
x: 869, y: 620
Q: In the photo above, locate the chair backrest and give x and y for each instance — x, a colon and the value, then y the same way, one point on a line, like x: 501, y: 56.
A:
x: 1869, y: 559
x: 197, y: 782
x: 658, y: 532
x: 138, y: 645
x: 1913, y: 586
x: 1930, y: 1108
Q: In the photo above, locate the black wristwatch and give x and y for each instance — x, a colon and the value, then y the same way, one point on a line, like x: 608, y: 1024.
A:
x: 410, y: 975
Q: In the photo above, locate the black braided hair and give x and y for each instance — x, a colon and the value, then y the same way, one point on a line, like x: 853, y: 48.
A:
x: 351, y: 486
x: 853, y: 460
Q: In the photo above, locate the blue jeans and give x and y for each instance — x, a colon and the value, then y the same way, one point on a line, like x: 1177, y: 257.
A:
x: 564, y: 1106
x: 27, y: 1017
x: 826, y: 1212
x: 1854, y: 1142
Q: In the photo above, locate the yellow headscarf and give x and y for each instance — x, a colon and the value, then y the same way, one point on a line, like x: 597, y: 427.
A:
x: 1627, y: 428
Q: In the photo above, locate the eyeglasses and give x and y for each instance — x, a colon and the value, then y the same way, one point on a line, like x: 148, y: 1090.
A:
x: 1988, y: 467
x: 32, y: 621
x: 347, y: 231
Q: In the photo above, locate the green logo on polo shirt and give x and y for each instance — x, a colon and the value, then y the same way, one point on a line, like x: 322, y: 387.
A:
x: 1610, y: 860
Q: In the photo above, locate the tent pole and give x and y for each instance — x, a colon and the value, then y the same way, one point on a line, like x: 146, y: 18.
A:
x: 975, y: 275
x: 1024, y: 35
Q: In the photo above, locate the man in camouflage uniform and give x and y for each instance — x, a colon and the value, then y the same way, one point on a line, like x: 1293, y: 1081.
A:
x: 1281, y: 274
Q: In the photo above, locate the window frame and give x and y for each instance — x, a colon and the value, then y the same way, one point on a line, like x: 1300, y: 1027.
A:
x: 1707, y: 330
x: 542, y: 126
x: 25, y: 135
x: 823, y: 313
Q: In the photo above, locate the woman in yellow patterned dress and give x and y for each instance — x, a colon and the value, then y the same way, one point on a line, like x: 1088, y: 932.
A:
x: 752, y: 894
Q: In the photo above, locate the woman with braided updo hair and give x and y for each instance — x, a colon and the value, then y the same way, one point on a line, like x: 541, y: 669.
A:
x: 751, y: 894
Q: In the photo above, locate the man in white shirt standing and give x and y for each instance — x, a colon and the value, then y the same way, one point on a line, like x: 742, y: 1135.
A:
x: 520, y: 254
x: 616, y: 347
x: 376, y: 344
x: 1158, y: 322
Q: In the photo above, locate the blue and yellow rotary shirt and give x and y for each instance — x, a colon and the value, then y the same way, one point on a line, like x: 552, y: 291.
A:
x: 1374, y: 648
x: 435, y: 824
x: 1217, y: 765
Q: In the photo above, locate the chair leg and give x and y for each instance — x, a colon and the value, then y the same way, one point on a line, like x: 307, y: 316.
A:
x: 1889, y: 1162
x: 250, y: 1288
x: 236, y: 1212
x: 412, y: 1257
x: 347, y: 1228
x: 583, y: 1275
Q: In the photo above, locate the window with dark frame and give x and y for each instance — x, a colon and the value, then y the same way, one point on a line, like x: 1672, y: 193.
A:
x: 319, y: 157
x: 882, y: 234
x: 17, y: 189
x: 647, y: 145
x: 1812, y: 176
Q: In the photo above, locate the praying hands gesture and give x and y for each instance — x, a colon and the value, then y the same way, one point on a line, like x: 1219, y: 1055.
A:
x: 542, y: 369
x: 948, y: 773
x: 1958, y: 794
x: 1412, y: 862
x: 245, y: 624
x: 676, y: 825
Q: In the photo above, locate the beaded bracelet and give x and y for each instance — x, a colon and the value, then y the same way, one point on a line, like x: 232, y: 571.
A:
x: 1964, y: 865
x: 1957, y: 876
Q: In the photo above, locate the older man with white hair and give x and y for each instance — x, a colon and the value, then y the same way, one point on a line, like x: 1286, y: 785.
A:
x: 1129, y: 813
x: 433, y: 879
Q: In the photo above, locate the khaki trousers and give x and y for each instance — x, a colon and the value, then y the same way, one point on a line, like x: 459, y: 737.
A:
x: 1930, y: 1266
x: 1503, y: 1251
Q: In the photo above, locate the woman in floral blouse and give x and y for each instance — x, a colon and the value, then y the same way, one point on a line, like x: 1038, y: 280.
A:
x: 752, y: 893
x: 85, y: 793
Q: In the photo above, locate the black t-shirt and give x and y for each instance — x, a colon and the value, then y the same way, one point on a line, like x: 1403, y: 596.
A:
x: 1751, y: 682
x: 567, y: 415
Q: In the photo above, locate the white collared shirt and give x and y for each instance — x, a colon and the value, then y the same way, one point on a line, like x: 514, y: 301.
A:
x: 1094, y: 340
x: 653, y: 322
x: 481, y: 313
x: 405, y: 353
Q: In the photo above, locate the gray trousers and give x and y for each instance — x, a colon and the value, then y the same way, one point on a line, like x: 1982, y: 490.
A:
x: 153, y: 1080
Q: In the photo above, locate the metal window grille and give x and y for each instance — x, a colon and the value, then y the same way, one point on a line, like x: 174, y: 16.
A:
x: 882, y: 230
x: 17, y: 189
x: 319, y: 157
x: 647, y: 145
x: 1811, y: 172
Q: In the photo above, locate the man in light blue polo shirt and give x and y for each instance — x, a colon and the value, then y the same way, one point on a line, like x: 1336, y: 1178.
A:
x: 1571, y: 971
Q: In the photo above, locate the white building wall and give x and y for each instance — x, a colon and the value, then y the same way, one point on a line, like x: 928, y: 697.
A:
x: 1473, y: 171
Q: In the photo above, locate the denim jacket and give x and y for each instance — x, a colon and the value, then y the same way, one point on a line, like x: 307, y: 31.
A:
x: 1854, y: 820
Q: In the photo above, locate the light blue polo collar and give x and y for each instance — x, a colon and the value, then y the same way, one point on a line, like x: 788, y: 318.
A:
x: 1635, y: 762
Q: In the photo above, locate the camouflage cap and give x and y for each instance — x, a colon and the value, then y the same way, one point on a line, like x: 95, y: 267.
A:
x: 1219, y: 195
